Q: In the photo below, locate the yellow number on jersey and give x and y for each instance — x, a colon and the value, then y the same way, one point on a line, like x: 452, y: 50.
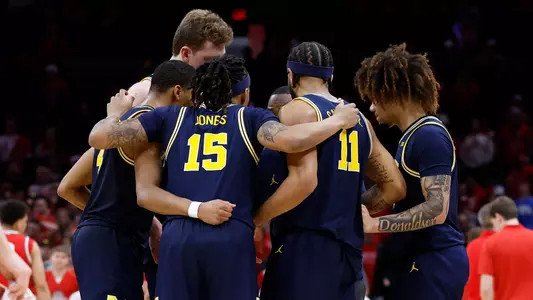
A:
x: 111, y: 297
x: 99, y: 159
x: 352, y: 140
x: 213, y: 145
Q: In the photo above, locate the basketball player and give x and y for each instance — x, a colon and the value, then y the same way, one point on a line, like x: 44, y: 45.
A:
x: 212, y: 142
x: 317, y: 244
x: 108, y: 248
x: 404, y: 93
x: 14, y: 218
x: 13, y: 268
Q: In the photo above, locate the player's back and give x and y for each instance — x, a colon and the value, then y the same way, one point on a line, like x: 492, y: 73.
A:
x: 23, y: 246
x: 334, y: 208
x: 213, y: 155
x: 113, y: 199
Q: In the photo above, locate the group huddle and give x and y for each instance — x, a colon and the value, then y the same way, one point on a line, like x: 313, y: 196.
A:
x: 183, y: 148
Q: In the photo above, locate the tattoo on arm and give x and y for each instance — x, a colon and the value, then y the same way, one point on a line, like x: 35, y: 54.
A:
x: 269, y: 130
x: 373, y: 198
x: 123, y: 134
x: 436, y: 190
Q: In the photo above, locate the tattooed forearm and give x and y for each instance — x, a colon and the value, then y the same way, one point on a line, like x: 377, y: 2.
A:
x: 374, y: 200
x: 270, y: 129
x: 377, y: 171
x: 436, y: 190
x: 120, y: 134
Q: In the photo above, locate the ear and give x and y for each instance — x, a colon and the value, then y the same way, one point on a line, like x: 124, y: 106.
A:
x: 185, y: 54
x: 290, y: 77
x: 176, y: 91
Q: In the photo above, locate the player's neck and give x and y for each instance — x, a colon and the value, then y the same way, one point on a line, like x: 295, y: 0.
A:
x: 59, y: 272
x: 311, y: 86
x: 511, y: 222
x: 408, y: 115
x: 154, y: 100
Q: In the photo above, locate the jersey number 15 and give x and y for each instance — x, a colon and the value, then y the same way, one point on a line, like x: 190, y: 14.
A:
x: 213, y: 145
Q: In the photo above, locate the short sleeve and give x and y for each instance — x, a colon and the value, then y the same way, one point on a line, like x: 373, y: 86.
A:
x: 152, y: 122
x: 258, y: 117
x: 485, y: 260
x: 433, y: 150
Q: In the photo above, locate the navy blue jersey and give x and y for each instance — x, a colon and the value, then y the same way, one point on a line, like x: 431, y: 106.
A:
x: 113, y: 199
x: 426, y: 149
x: 209, y: 155
x: 334, y: 208
x: 271, y: 173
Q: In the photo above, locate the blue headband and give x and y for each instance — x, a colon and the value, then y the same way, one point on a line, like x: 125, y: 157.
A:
x: 309, y: 70
x: 240, y: 86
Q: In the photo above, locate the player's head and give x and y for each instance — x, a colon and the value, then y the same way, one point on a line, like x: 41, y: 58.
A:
x: 395, y: 78
x: 502, y: 209
x: 309, y: 61
x: 483, y: 216
x: 60, y: 257
x: 212, y: 84
x: 14, y: 215
x: 201, y: 36
x: 279, y: 98
x: 240, y: 79
x: 171, y: 82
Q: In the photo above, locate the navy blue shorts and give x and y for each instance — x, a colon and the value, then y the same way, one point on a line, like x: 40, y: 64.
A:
x: 435, y: 275
x: 306, y: 265
x: 150, y: 271
x: 107, y: 263
x: 200, y: 261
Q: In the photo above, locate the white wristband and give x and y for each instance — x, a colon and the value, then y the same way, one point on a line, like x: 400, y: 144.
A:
x: 193, y: 209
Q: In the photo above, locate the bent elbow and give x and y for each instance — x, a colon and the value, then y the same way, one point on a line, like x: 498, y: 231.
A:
x: 63, y: 189
x: 308, y: 184
x: 142, y: 196
x: 400, y: 190
x: 441, y: 218
x: 97, y: 140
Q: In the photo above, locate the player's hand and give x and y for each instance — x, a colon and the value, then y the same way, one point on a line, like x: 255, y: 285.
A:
x: 119, y: 104
x: 21, y: 273
x: 370, y: 225
x: 347, y: 114
x: 215, y: 212
x: 155, y: 239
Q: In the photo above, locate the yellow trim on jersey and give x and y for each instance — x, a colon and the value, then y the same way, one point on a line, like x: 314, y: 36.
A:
x: 415, y: 125
x: 146, y: 78
x: 179, y: 120
x: 404, y: 165
x: 121, y: 152
x: 244, y: 134
x: 313, y: 105
x: 369, y: 133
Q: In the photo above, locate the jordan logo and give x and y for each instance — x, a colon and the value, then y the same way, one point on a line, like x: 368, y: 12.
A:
x: 279, y: 250
x: 273, y: 180
x: 413, y: 268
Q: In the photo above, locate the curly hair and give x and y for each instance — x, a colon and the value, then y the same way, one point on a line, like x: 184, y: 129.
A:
x: 211, y: 86
x: 396, y: 75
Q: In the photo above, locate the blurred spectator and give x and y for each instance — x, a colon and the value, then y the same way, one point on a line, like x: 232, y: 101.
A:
x: 60, y: 277
x: 506, y: 263
x: 524, y: 204
x: 476, y: 150
x: 14, y: 219
x: 14, y: 147
x: 47, y: 148
x: 471, y: 291
x: 513, y: 138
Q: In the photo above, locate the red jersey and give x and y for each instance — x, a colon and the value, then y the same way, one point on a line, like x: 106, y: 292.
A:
x: 23, y: 246
x: 62, y: 288
x: 471, y: 291
x: 507, y: 257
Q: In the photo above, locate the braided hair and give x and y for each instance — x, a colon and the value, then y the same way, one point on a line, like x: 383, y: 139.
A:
x: 212, y: 83
x: 311, y: 53
x: 396, y: 75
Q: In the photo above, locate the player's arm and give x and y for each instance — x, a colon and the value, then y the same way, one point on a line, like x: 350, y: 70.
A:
x: 302, y: 177
x: 435, y: 155
x: 486, y: 287
x: 154, y: 198
x: 38, y: 274
x: 111, y: 132
x: 389, y: 186
x: 13, y: 268
x: 73, y: 186
x: 301, y: 137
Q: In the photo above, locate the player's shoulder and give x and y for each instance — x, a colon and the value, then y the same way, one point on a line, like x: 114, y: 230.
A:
x: 431, y: 132
x: 299, y: 110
